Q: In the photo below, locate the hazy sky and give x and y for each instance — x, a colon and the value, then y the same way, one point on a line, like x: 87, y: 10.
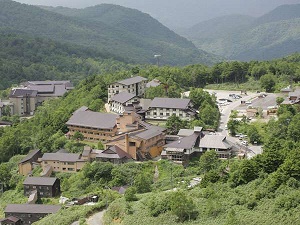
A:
x: 179, y: 13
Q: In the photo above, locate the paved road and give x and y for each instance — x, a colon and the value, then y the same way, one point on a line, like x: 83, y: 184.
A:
x: 225, y: 114
x: 96, y: 219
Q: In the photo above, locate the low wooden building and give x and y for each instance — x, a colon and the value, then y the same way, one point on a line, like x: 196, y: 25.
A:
x: 30, y: 213
x: 45, y: 186
x: 11, y: 220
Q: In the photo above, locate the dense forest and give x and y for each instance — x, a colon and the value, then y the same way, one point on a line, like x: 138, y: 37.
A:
x: 126, y: 34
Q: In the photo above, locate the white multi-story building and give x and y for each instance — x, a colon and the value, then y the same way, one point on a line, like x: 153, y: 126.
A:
x: 119, y: 101
x: 163, y: 108
x: 134, y: 85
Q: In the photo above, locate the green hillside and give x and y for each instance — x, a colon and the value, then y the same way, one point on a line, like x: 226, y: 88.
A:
x: 118, y: 41
x: 25, y: 58
x: 273, y: 35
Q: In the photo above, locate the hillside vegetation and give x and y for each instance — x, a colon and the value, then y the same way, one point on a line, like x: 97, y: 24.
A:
x: 273, y: 35
x: 113, y: 30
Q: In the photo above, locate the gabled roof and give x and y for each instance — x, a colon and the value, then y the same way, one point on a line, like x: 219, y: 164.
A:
x: 122, y: 97
x: 187, y: 142
x: 214, y: 142
x: 48, y: 82
x: 31, y: 208
x: 151, y: 132
x: 47, y: 181
x: 93, y: 119
x: 30, y: 155
x: 10, y: 218
x: 172, y: 103
x: 185, y: 132
x: 114, y: 152
x: 19, y: 92
x: 153, y: 83
x: 131, y: 80
x: 62, y: 157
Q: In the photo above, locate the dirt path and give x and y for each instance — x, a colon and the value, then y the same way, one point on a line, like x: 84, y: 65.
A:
x: 96, y: 219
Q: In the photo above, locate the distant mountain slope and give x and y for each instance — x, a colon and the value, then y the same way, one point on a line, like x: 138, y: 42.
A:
x: 273, y: 35
x: 117, y: 41
x: 24, y: 58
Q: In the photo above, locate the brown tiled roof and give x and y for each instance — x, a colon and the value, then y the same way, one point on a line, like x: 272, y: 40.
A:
x: 93, y: 120
x: 172, y: 103
x: 31, y: 208
x: 10, y: 218
x: 131, y: 80
x: 114, y: 152
x: 122, y: 97
x: 30, y: 155
x: 62, y: 157
x: 48, y: 181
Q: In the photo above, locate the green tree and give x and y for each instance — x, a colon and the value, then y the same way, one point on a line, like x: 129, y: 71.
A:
x: 143, y: 182
x: 174, y: 124
x: 182, y: 206
x: 268, y: 82
x: 78, y: 136
x: 279, y: 100
x: 253, y: 134
x: 209, y: 161
x: 130, y: 194
x: 232, y: 126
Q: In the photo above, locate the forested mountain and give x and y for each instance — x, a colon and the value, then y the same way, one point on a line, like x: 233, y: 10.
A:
x: 118, y: 39
x: 25, y: 58
x: 273, y: 35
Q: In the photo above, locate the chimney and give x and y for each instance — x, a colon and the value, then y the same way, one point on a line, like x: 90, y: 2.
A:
x: 127, y: 143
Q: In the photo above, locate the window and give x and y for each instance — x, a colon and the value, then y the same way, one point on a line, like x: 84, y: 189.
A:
x: 131, y: 143
x: 70, y: 169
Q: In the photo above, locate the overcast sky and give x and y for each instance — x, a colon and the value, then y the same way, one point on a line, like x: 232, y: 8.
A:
x: 179, y: 12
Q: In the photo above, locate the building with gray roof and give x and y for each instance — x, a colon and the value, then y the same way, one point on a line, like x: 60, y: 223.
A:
x: 134, y: 85
x: 188, y: 146
x: 45, y: 186
x: 30, y: 213
x: 163, y: 108
x: 119, y: 102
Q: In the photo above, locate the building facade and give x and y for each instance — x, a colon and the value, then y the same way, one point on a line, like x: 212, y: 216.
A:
x: 134, y: 85
x: 63, y: 162
x: 119, y: 102
x: 30, y: 213
x: 163, y: 108
x: 27, y: 164
x: 46, y: 187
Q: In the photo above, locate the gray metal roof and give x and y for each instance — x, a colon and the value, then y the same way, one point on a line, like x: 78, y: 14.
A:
x: 62, y: 157
x: 122, y: 97
x: 31, y: 208
x: 214, y: 142
x: 184, y: 143
x: 150, y: 132
x: 93, y: 119
x: 19, y: 92
x: 172, y: 103
x: 131, y: 80
x: 185, y: 132
x: 30, y: 155
x: 153, y: 83
x: 47, y: 181
x: 48, y: 82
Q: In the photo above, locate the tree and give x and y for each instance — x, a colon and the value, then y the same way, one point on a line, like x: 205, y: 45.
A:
x: 233, y: 125
x: 130, y: 194
x: 174, y: 124
x: 294, y: 128
x: 198, y: 96
x: 78, y: 136
x: 182, y: 206
x: 268, y: 82
x: 253, y: 134
x: 143, y: 182
x: 209, y: 161
x: 279, y: 100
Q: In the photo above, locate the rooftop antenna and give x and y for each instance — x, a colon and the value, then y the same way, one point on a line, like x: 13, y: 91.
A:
x: 157, y: 59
